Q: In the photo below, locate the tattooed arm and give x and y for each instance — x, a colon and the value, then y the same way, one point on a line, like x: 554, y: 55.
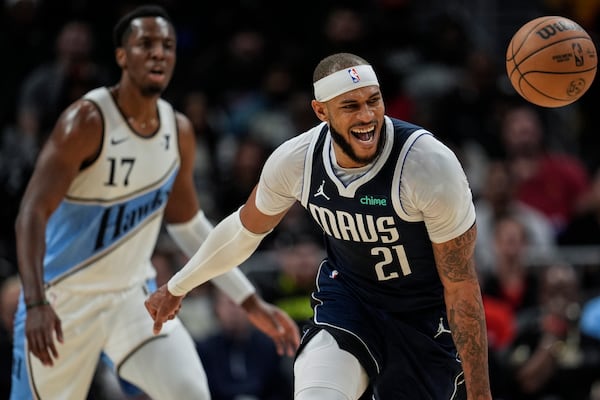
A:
x: 466, y: 317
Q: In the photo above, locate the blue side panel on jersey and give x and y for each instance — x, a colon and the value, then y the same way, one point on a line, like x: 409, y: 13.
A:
x: 70, y: 237
x: 20, y: 378
x: 78, y: 231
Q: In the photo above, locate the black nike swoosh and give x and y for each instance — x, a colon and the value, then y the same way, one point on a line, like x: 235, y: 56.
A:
x: 114, y: 141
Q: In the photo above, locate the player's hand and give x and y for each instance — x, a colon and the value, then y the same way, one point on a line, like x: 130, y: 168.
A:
x: 42, y: 327
x: 275, y: 323
x: 162, y: 307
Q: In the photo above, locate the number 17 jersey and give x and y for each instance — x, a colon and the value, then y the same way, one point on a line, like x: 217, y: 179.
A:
x: 102, y: 235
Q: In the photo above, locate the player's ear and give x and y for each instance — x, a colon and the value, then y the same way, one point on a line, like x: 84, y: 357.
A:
x: 320, y: 110
x: 120, y: 57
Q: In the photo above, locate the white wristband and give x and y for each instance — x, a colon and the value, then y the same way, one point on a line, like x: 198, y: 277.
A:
x: 228, y: 245
x: 189, y: 236
x: 235, y: 285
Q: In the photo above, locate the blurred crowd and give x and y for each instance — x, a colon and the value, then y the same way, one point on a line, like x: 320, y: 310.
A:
x: 243, y: 77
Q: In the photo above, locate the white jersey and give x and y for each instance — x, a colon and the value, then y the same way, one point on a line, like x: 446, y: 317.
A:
x: 441, y: 203
x: 102, y: 235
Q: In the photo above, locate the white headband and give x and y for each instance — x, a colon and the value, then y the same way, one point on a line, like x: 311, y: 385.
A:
x: 344, y: 81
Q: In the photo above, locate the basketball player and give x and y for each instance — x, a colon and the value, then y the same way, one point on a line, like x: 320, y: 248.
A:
x: 117, y: 161
x: 397, y: 304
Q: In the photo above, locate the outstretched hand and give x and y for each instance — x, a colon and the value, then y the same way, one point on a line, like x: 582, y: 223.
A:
x: 162, y: 306
x: 275, y: 323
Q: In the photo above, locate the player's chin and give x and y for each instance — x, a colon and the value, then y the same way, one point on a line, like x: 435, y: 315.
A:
x: 153, y: 89
x: 365, y: 148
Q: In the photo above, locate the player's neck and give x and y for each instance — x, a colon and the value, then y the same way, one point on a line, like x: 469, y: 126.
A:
x: 140, y: 111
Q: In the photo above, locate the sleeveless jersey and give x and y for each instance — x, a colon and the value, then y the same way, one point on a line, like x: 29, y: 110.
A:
x: 102, y: 235
x: 385, y: 260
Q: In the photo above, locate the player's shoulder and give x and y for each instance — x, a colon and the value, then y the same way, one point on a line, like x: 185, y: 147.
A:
x: 83, y: 112
x: 98, y: 94
x: 184, y: 124
x: 88, y: 108
x: 185, y: 131
x: 79, y: 128
x: 402, y: 125
x: 430, y: 160
x: 424, y: 150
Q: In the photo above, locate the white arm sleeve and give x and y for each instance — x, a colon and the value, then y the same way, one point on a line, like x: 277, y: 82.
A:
x: 190, y: 235
x: 228, y: 245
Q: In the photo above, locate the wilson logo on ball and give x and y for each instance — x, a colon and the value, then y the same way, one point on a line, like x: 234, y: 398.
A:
x: 561, y: 26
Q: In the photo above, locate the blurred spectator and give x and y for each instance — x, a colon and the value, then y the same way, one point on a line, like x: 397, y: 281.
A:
x: 509, y: 287
x: 512, y: 281
x: 273, y: 123
x: 346, y: 28
x: 550, y: 358
x: 552, y: 182
x: 584, y: 227
x: 241, y: 363
x: 241, y: 177
x: 291, y: 279
x: 470, y: 109
x: 444, y: 49
x: 23, y: 40
x: 10, y: 289
x: 467, y: 115
x: 582, y: 235
x: 301, y: 114
x: 18, y: 153
x: 500, y: 322
x: 242, y: 62
x: 501, y: 326
x: 54, y: 85
x: 497, y: 200
x: 209, y: 122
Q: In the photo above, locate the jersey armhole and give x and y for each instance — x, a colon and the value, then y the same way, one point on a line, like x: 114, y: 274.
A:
x: 86, y: 163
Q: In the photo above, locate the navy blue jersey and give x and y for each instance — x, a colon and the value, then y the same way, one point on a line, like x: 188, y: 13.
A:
x: 378, y: 293
x: 385, y: 261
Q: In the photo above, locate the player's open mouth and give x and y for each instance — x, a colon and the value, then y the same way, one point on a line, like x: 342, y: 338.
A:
x: 364, y: 135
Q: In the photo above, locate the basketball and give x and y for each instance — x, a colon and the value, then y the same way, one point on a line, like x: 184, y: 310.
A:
x: 551, y: 61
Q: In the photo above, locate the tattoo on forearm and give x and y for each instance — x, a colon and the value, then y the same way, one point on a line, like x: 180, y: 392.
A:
x: 465, y: 309
x: 469, y: 333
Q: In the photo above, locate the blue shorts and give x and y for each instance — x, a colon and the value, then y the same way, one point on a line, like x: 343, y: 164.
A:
x: 410, y: 356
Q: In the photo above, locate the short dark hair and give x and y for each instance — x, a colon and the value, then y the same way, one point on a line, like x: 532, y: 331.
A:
x: 123, y: 26
x: 336, y: 62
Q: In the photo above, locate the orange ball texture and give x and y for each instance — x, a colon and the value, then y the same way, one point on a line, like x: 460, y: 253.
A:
x: 551, y: 61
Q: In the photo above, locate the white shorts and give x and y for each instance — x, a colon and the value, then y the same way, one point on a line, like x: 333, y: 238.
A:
x: 118, y: 325
x: 323, y: 370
